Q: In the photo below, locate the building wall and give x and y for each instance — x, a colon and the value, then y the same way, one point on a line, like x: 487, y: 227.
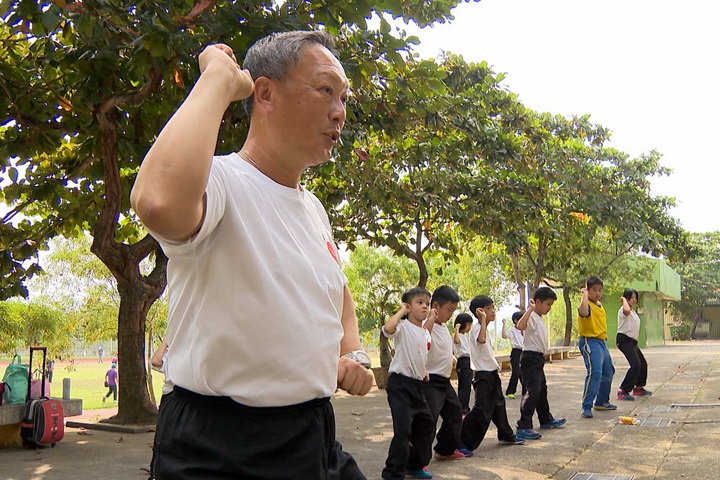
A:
x: 711, y: 315
x: 651, y: 310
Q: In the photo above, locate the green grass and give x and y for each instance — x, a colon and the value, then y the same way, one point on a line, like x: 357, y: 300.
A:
x: 86, y: 381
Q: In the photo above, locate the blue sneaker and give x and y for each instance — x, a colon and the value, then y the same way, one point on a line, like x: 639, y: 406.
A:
x: 587, y: 413
x: 422, y: 473
x: 466, y: 452
x: 512, y: 441
x: 556, y: 423
x: 527, y: 434
x: 605, y: 406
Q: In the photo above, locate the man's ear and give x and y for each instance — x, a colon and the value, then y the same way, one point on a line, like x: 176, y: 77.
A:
x: 263, y: 93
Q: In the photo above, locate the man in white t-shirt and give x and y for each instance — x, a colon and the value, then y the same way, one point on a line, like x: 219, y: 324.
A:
x: 261, y: 322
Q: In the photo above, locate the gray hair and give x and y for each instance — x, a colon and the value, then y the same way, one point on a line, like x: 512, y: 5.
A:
x: 272, y: 56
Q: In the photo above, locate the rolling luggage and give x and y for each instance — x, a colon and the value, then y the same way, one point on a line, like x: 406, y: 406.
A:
x: 43, y: 422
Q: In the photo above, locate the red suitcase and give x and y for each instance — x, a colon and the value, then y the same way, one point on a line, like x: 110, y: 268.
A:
x: 44, y: 421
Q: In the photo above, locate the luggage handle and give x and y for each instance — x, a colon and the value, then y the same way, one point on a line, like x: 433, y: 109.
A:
x: 30, y: 371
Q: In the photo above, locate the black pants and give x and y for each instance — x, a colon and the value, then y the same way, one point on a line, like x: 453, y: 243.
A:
x: 535, y: 400
x: 413, y: 428
x: 465, y: 376
x: 204, y: 437
x: 636, y: 376
x: 112, y: 390
x: 516, y: 374
x: 444, y: 403
x: 489, y: 407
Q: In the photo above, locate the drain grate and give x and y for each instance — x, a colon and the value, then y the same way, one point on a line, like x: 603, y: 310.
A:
x: 655, y: 422
x: 600, y: 476
x: 661, y: 409
x: 680, y: 387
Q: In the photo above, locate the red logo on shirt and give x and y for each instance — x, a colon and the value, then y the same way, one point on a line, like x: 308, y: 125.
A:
x: 429, y: 345
x: 331, y: 249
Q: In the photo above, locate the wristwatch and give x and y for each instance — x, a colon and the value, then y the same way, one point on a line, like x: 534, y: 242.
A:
x: 360, y: 357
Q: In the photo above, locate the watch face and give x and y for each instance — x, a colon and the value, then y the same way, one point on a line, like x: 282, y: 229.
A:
x: 359, y: 356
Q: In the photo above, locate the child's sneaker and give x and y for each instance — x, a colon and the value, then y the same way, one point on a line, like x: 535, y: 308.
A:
x: 641, y: 392
x: 511, y: 396
x: 556, y: 423
x: 605, y: 406
x: 587, y: 413
x: 512, y: 441
x: 624, y: 396
x: 104, y: 399
x: 422, y: 473
x: 466, y: 452
x: 456, y: 455
x: 527, y: 434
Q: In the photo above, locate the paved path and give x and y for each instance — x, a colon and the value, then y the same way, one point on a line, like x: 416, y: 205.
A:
x: 684, y: 447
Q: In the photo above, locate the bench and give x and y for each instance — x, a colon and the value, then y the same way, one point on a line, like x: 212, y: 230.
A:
x: 13, y: 414
x: 553, y: 353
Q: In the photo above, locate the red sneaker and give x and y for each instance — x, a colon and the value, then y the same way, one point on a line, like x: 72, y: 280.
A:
x: 641, y: 392
x: 456, y: 455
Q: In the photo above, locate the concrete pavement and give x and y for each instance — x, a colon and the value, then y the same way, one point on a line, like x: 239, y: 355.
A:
x: 672, y: 443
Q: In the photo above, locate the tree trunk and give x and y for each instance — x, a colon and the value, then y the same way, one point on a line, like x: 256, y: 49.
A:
x: 137, y: 292
x: 522, y: 292
x: 568, y: 316
x: 134, y: 404
x: 385, y: 357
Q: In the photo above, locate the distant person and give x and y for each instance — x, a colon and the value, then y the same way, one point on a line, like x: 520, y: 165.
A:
x: 532, y: 366
x: 441, y: 396
x: 413, y: 429
x: 111, y: 382
x: 461, y: 339
x: 489, y: 399
x: 114, y: 358
x: 592, y: 342
x: 100, y: 353
x: 50, y: 368
x: 516, y: 344
x: 627, y: 341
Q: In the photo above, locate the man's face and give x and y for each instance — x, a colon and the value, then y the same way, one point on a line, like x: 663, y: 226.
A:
x: 309, y: 108
x: 544, y: 306
x: 445, y: 312
x: 595, y: 293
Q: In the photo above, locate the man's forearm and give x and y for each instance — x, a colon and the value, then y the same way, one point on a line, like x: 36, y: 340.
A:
x: 170, y: 185
x: 351, y: 337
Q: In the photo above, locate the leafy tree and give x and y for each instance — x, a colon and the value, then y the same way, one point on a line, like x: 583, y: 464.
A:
x: 28, y: 324
x: 424, y: 158
x: 377, y: 279
x: 86, y: 87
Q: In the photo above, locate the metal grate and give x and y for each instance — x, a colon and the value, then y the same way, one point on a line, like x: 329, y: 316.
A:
x: 680, y: 387
x: 600, y: 476
x: 655, y: 422
x: 661, y: 409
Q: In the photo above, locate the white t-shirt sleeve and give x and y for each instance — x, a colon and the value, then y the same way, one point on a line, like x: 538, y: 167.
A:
x: 215, y: 197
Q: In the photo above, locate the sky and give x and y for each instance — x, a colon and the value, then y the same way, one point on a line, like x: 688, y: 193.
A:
x: 647, y: 70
